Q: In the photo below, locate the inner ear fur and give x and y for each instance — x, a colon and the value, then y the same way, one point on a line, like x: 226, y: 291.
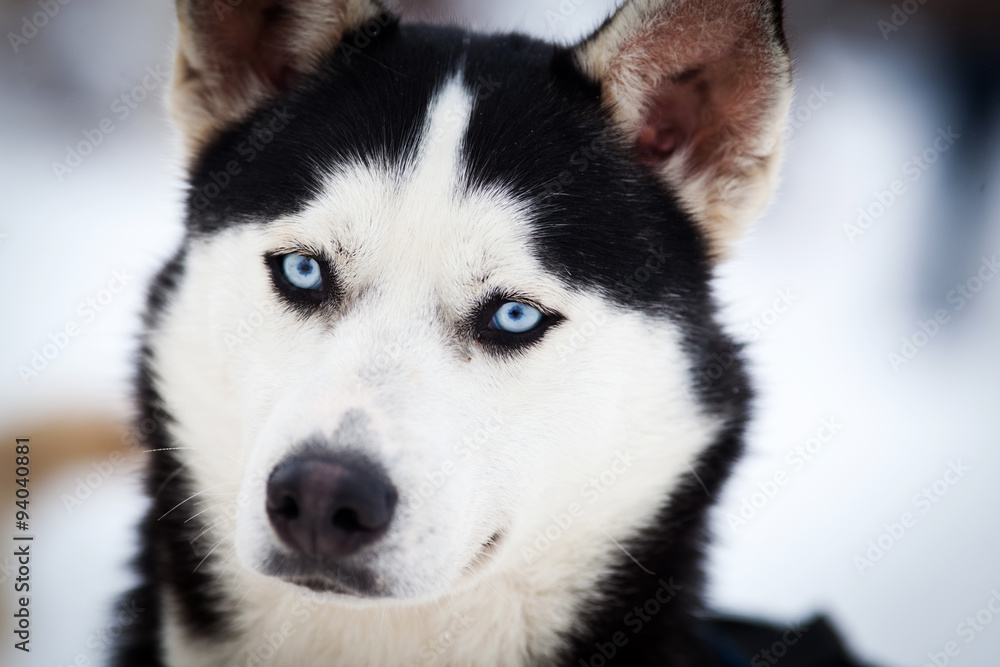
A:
x: 701, y: 88
x: 234, y: 54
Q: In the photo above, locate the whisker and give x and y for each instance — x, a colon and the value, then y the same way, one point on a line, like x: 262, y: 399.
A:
x: 163, y: 449
x: 194, y: 495
x: 250, y: 588
x: 199, y: 513
x: 169, y: 479
x: 208, y: 527
x: 223, y: 569
x: 625, y: 551
x: 210, y: 552
x: 695, y: 473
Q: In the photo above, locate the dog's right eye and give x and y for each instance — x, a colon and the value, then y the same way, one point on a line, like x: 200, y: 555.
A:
x: 302, y: 272
x: 300, y: 278
x: 507, y: 323
x: 514, y: 317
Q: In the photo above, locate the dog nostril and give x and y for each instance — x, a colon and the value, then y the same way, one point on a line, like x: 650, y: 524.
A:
x: 347, y: 519
x: 287, y: 508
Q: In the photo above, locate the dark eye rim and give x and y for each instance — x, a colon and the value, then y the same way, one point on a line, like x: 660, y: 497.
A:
x: 300, y: 296
x: 486, y: 334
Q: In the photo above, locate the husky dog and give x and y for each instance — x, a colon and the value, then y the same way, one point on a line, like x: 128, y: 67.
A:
x: 436, y: 377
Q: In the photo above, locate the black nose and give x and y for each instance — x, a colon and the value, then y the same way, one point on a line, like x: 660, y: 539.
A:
x: 324, y: 507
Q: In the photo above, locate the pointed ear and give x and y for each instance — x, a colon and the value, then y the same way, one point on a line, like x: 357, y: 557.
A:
x: 701, y: 87
x: 234, y: 54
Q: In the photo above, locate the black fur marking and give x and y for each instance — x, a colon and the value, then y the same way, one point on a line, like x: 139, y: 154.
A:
x: 167, y: 561
x: 162, y: 288
x: 368, y: 108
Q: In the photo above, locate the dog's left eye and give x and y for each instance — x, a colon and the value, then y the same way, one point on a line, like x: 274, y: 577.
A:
x: 504, y: 324
x: 302, y: 272
x: 303, y: 280
x: 514, y: 317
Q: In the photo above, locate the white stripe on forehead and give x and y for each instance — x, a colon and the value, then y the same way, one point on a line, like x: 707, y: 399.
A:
x: 440, y: 149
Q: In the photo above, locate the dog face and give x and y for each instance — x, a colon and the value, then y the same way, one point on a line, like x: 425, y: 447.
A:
x: 444, y: 296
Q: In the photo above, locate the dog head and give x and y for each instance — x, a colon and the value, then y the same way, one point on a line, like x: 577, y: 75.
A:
x: 443, y: 299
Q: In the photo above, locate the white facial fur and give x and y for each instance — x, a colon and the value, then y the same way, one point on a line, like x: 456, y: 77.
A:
x: 475, y: 443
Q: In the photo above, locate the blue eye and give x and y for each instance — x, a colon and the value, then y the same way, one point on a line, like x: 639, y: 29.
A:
x: 302, y: 272
x: 514, y: 317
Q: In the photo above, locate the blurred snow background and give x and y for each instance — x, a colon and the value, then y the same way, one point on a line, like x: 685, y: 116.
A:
x: 869, y: 99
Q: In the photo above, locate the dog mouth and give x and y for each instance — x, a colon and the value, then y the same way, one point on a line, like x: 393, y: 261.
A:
x: 322, y: 577
x: 325, y: 585
x: 358, y: 582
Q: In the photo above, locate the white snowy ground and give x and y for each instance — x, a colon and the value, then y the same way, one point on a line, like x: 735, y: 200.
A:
x: 825, y: 358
